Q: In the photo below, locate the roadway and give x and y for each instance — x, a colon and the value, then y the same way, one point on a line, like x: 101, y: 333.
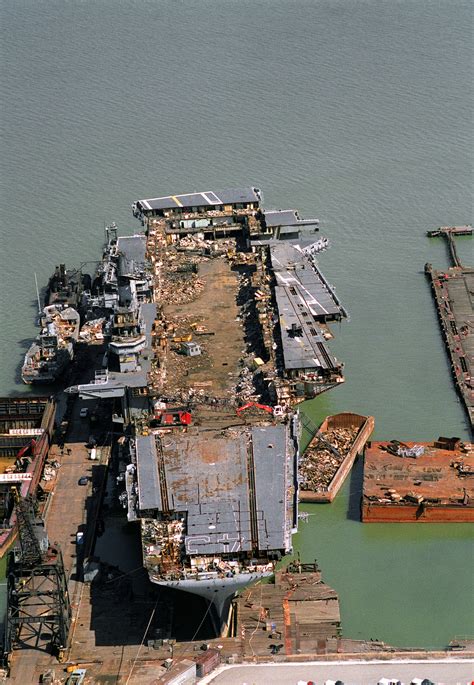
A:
x: 449, y: 671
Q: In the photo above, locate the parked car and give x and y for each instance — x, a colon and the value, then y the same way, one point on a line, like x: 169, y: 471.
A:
x: 83, y: 480
x: 84, y: 412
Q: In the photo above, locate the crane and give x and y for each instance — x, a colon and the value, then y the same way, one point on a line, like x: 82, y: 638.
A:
x: 38, y: 605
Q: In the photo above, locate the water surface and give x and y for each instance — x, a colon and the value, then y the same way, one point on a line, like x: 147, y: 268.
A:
x: 358, y: 112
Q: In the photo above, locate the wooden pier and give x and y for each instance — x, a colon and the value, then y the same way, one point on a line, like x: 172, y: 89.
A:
x: 296, y: 614
x: 453, y: 291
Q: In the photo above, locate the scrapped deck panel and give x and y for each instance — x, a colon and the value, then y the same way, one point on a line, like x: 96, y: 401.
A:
x: 133, y: 249
x: 303, y: 282
x: 305, y: 304
x: 287, y: 218
x: 436, y: 486
x: 307, y: 350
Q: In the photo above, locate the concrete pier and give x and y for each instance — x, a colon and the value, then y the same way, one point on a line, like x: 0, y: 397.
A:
x: 453, y: 291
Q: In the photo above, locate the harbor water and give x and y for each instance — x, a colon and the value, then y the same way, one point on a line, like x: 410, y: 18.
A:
x: 357, y: 112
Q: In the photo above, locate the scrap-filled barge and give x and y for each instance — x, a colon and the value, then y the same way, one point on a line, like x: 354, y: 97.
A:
x: 330, y: 455
x: 452, y: 291
x: 424, y: 482
x: 217, y: 323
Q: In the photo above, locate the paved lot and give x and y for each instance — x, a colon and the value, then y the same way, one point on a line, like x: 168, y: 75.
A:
x: 66, y: 515
x: 449, y: 672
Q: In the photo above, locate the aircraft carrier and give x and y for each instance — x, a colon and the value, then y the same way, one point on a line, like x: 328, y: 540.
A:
x: 217, y: 318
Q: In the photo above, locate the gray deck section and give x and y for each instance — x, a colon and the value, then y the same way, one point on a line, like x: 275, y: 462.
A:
x: 208, y: 198
x: 147, y: 317
x: 149, y: 496
x: 304, y: 282
x: 269, y: 453
x: 287, y: 218
x: 308, y: 350
x: 132, y: 248
x: 206, y: 475
x: 302, y: 299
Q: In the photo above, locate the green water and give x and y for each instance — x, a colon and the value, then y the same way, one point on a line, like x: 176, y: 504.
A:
x: 358, y: 112
x: 396, y: 583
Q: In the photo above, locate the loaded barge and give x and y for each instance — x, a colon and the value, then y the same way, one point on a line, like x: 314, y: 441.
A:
x: 424, y: 482
x: 330, y: 455
x: 217, y: 324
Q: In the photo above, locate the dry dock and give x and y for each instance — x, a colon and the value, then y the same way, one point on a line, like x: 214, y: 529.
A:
x: 435, y: 486
x: 453, y: 291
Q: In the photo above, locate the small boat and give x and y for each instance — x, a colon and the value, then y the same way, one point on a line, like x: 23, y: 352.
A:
x: 330, y: 455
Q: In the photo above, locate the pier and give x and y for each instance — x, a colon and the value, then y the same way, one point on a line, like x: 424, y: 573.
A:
x: 453, y: 290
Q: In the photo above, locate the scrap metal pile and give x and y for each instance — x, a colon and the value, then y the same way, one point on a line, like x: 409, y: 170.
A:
x: 319, y: 463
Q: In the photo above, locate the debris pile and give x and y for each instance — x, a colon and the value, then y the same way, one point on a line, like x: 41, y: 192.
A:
x: 320, y: 463
x: 50, y: 471
x: 92, y: 331
x: 181, y: 290
x: 245, y: 389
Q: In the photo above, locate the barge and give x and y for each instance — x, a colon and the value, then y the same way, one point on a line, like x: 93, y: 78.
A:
x: 330, y: 455
x: 424, y: 482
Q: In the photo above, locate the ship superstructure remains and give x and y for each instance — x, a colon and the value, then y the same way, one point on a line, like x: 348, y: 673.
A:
x: 221, y: 213
x: 51, y: 352
x: 217, y: 325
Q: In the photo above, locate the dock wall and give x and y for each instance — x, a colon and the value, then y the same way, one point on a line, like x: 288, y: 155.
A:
x: 407, y: 513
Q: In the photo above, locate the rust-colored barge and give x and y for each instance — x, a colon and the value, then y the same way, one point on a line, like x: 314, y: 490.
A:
x: 330, y: 455
x: 425, y: 482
